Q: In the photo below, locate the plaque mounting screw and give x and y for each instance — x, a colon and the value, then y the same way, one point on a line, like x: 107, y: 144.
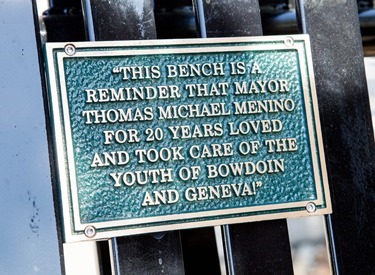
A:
x: 90, y: 231
x: 70, y: 49
x: 288, y: 41
x: 311, y: 207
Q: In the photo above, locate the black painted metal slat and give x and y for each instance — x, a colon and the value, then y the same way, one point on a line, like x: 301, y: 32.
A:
x: 262, y: 247
x: 134, y: 20
x: 149, y: 254
x: 200, y: 251
x: 230, y: 18
x: 119, y: 20
x: 347, y: 132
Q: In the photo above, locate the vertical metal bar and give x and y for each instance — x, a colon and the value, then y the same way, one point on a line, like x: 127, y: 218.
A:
x: 228, y: 249
x: 113, y: 251
x: 119, y: 20
x: 200, y: 251
x: 220, y: 239
x: 331, y: 244
x: 261, y: 247
x: 220, y: 232
x: 201, y: 18
x: 337, y: 54
x: 133, y: 20
x: 89, y: 24
x: 231, y: 18
x: 64, y: 22
x: 149, y: 254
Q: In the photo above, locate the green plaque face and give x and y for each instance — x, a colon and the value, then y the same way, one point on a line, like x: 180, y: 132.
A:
x: 171, y: 134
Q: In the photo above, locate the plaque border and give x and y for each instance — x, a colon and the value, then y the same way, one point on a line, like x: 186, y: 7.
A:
x: 63, y: 142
